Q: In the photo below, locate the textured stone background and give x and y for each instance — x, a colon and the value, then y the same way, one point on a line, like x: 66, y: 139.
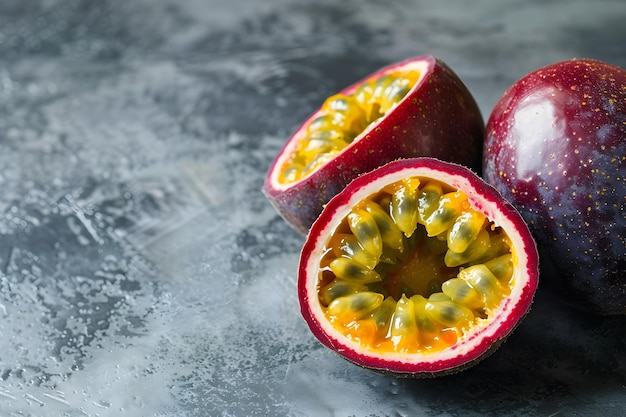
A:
x: 142, y: 273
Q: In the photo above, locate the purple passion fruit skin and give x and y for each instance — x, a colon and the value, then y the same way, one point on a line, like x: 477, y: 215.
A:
x: 555, y: 147
x: 417, y: 269
x: 435, y: 116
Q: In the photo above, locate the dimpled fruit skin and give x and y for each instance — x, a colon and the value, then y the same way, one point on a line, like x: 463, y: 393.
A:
x: 555, y: 147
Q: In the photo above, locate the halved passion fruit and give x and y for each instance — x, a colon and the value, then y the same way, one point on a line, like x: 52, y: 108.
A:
x: 418, y: 107
x: 418, y: 268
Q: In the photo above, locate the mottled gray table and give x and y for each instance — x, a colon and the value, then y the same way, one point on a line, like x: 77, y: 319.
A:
x: 142, y: 272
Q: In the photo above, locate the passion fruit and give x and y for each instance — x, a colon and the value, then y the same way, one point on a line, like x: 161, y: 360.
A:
x: 417, y: 107
x: 417, y: 268
x: 555, y: 147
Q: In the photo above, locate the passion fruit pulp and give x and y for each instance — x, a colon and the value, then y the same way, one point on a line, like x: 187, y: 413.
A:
x: 418, y: 268
x: 417, y: 107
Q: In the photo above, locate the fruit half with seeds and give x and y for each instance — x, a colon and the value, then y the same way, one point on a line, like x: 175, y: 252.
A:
x: 417, y: 107
x: 418, y: 268
x: 555, y: 147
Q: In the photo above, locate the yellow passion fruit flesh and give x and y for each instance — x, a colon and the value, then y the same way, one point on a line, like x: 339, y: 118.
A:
x: 342, y: 118
x: 418, y: 268
x: 417, y: 107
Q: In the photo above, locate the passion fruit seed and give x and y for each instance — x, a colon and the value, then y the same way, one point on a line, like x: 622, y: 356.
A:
x: 404, y: 205
x: 342, y: 118
x: 413, y: 267
x: 351, y: 270
x: 348, y: 245
x: 354, y: 306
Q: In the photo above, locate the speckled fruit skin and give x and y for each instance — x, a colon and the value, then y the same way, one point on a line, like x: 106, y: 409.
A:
x: 483, y: 340
x: 438, y: 117
x: 555, y: 147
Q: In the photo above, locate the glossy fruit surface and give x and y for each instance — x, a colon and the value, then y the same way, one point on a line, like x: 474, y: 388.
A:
x: 417, y: 107
x: 556, y: 148
x: 418, y: 268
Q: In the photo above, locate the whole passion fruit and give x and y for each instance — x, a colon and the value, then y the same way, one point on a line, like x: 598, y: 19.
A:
x: 555, y: 147
x: 418, y: 268
x: 417, y: 107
